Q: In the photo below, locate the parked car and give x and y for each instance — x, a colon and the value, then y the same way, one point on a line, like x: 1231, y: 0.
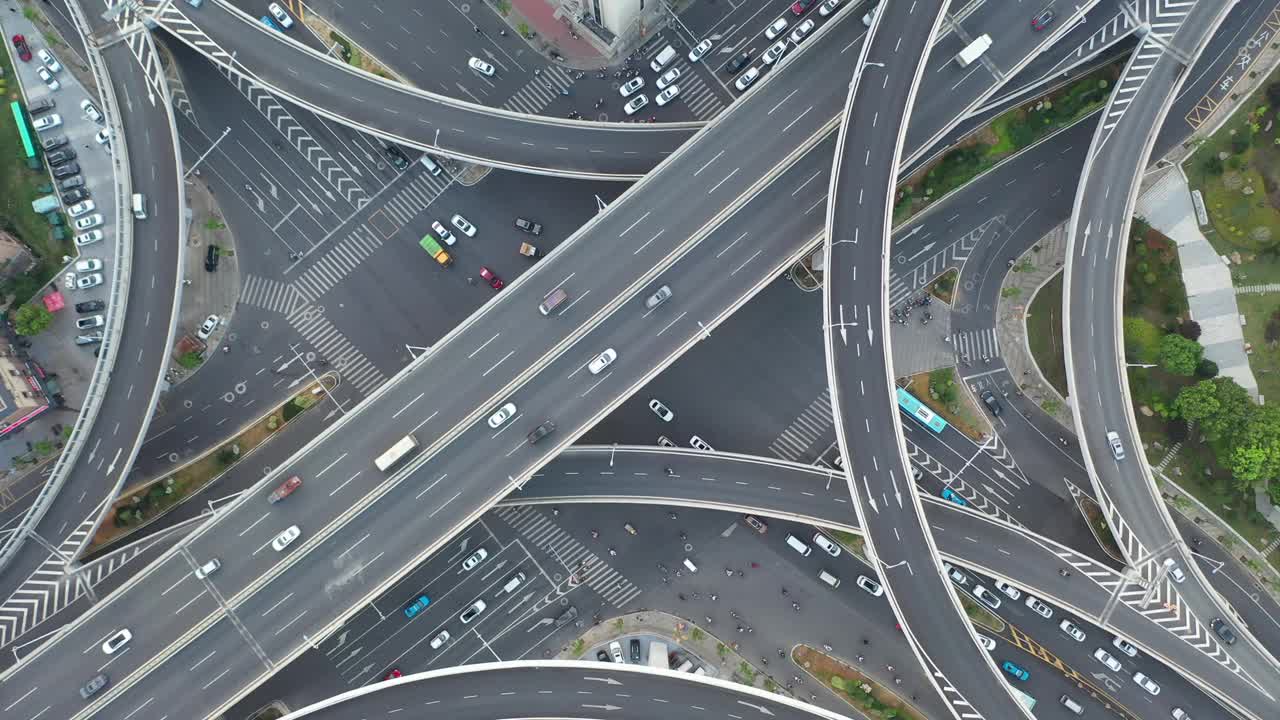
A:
x: 85, y: 282
x: 88, y: 265
x: 53, y: 142
x: 870, y: 585
x: 445, y: 234
x: 748, y: 77
x: 89, y: 323
x: 88, y: 238
x: 89, y: 306
x: 49, y: 60
x: 207, y: 327
x: 631, y: 86
x: 636, y: 104
x: 529, y: 226
x: 211, y: 255
x: 989, y: 399
x: 987, y: 597
x: 81, y: 208
x: 667, y: 95
x: 397, y: 157
x: 44, y: 104
x: 24, y: 50
x: 71, y: 197
x: 89, y: 221
x: 90, y: 111
x: 463, y: 225
x: 91, y: 339
x: 66, y: 170
x: 491, y: 277
x: 280, y: 15
x: 776, y: 28
x: 47, y: 122
x: 662, y: 411
x: 48, y: 78
x: 828, y: 7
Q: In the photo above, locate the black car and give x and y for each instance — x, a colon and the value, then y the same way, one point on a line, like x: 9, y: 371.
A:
x: 90, y: 306
x: 61, y: 156
x: 71, y: 183
x: 603, y: 656
x: 67, y: 170
x: 53, y: 141
x: 39, y: 106
x: 635, y: 650
x: 567, y: 617
x: 734, y: 66
x: 397, y: 157
x: 211, y: 258
x: 74, y: 196
x: 529, y: 226
x: 541, y: 431
x: 1224, y: 631
x: 989, y: 399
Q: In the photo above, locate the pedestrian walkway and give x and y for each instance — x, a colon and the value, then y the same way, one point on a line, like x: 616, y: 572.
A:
x: 332, y: 346
x: 701, y: 99
x: 1166, y: 205
x: 811, y: 426
x: 1037, y: 266
x: 337, y: 262
x: 541, y: 90
x: 545, y: 18
x: 610, y: 584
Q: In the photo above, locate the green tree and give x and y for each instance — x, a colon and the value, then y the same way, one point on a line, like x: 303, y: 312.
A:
x: 1219, y: 407
x: 1255, y: 453
x: 32, y: 319
x: 1141, y: 340
x: 1178, y: 355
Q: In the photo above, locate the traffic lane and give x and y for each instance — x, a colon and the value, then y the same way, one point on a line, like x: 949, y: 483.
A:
x: 730, y: 27
x: 204, y: 671
x: 504, y: 614
x: 483, y: 692
x: 474, y: 132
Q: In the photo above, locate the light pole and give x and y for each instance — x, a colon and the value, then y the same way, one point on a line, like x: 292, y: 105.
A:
x: 200, y: 159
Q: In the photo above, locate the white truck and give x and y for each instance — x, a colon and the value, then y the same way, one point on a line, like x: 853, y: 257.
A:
x: 658, y: 655
x: 974, y: 50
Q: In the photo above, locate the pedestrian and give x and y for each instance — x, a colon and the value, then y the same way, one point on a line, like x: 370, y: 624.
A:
x: 471, y: 281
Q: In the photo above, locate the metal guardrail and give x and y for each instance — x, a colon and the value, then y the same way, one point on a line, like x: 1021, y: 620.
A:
x: 116, y: 308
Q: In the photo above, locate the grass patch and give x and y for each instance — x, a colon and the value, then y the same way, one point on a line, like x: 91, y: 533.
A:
x: 860, y: 691
x: 980, y: 615
x: 959, y: 412
x: 944, y: 286
x: 745, y: 674
x: 852, y: 542
x: 1101, y: 529
x: 1044, y: 333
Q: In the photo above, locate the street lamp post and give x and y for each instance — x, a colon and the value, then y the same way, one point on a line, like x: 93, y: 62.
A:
x: 200, y: 159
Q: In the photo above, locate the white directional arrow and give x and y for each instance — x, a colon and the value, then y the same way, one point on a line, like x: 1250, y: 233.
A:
x: 871, y: 336
x: 331, y: 414
x: 416, y: 350
x: 608, y: 707
x: 923, y: 250
x: 112, y: 467
x: 540, y: 623
x: 94, y: 451
x: 520, y: 602
x: 896, y: 492
x: 870, y: 498
x: 342, y: 640
x: 606, y: 680
x: 764, y: 710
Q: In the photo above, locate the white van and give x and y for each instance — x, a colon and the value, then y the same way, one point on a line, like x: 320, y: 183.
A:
x: 798, y: 545
x: 688, y: 564
x: 1071, y: 705
x: 553, y: 299
x: 513, y: 583
x: 663, y: 60
x: 828, y: 578
x: 430, y: 165
x: 139, y: 206
x: 686, y: 666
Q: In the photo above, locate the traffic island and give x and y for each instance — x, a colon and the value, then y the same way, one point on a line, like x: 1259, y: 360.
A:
x: 146, y: 502
x: 854, y: 687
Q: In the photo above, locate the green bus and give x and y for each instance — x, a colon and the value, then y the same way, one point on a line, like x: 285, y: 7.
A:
x: 20, y: 119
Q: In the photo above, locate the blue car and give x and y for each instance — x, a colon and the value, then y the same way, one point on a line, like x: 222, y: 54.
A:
x: 1016, y: 671
x: 266, y: 20
x: 947, y: 494
x: 418, y: 606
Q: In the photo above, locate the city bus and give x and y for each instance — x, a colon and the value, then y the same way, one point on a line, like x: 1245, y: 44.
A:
x: 20, y: 119
x: 396, y: 453
x: 913, y: 407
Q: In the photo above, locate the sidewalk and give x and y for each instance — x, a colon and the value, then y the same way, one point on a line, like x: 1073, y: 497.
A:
x: 544, y: 20
x: 1043, y: 260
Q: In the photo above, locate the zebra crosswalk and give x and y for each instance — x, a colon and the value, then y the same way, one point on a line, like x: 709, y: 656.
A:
x: 540, y: 91
x: 407, y: 203
x: 974, y: 344
x: 701, y: 98
x: 339, y: 260
x: 331, y: 344
x: 270, y: 294
x: 610, y: 584
x: 809, y: 427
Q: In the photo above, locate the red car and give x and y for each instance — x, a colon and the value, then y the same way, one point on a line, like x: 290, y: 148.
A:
x: 24, y: 51
x: 800, y: 7
x: 494, y: 281
x: 1042, y: 20
x: 395, y: 673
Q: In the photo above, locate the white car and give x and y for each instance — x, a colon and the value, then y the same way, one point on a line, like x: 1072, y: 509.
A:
x: 698, y: 443
x: 443, y: 233
x: 745, y: 79
x: 662, y: 411
x: 49, y: 60
x: 90, y: 111
x: 699, y: 51
x: 1175, y: 572
x: 870, y: 585
x: 988, y: 598
x: 48, y: 78
x: 776, y: 29
x: 283, y: 540
x: 503, y: 414
x: 1039, y: 608
x: 1123, y: 646
x: 667, y: 78
x: 1146, y: 683
x: 956, y: 576
x: 87, y: 281
x: 208, y: 568
x: 89, y: 221
x: 280, y: 15
x: 602, y: 361
x: 774, y: 52
x: 802, y: 31
x: 90, y: 265
x: 89, y: 238
x: 207, y: 327
x: 987, y: 643
x: 615, y: 651
x: 440, y: 640
x: 1009, y: 590
x: 828, y: 7
x: 1071, y: 629
x: 869, y: 17
x: 667, y: 95
x: 474, y: 559
x: 103, y: 136
x: 1117, y: 448
x: 480, y: 66
x: 472, y: 612
x: 117, y: 641
x: 463, y: 226
x: 69, y: 281
x: 631, y: 86
x: 826, y: 544
x: 1105, y: 658
x: 80, y: 208
x: 635, y: 104
x: 45, y: 122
